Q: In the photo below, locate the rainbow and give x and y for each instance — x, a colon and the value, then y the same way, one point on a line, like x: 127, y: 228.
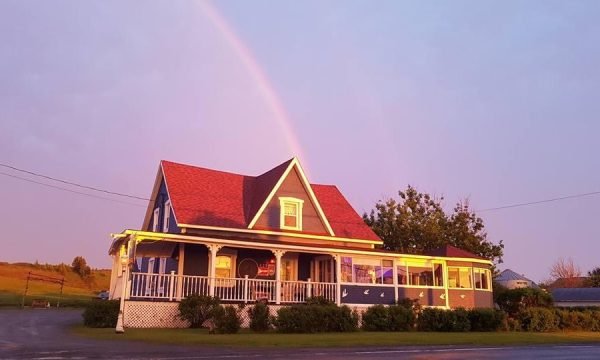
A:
x: 259, y: 77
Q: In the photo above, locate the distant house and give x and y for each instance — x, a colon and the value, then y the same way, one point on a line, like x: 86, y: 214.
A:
x: 513, y: 280
x: 569, y: 297
x: 573, y: 282
x: 277, y: 238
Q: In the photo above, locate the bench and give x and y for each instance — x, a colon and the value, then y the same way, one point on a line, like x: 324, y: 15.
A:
x: 40, y: 303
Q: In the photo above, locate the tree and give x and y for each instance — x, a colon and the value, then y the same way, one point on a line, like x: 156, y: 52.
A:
x: 566, y: 271
x: 80, y: 266
x: 593, y: 279
x: 417, y: 222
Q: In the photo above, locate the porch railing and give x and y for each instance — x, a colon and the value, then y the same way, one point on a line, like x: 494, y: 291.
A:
x: 173, y: 287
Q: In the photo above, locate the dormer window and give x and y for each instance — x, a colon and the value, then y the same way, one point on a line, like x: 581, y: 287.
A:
x: 291, y: 213
x: 167, y: 216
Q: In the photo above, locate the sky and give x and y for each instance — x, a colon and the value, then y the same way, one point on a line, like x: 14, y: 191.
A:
x: 494, y: 101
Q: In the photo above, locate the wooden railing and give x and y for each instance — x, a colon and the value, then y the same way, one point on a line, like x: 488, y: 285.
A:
x: 174, y: 287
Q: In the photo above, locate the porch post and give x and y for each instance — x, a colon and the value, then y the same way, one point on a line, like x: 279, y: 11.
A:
x: 395, y: 275
x: 212, y: 249
x: 180, y: 263
x: 125, y: 257
x: 338, y: 279
x: 278, y: 254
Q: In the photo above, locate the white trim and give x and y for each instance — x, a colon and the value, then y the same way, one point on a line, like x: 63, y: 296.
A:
x: 146, y: 235
x: 298, y: 204
x: 281, y: 233
x: 306, y: 184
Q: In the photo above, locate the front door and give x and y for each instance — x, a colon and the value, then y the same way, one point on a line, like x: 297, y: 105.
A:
x: 323, y: 269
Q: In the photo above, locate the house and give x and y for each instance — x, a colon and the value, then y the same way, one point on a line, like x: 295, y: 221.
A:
x: 274, y: 237
x: 570, y: 297
x: 513, y: 280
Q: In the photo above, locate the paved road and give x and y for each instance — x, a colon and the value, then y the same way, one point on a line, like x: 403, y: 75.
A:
x: 40, y: 334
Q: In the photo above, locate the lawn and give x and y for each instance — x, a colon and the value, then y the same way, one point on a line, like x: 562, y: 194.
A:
x: 249, y: 339
x: 76, y: 291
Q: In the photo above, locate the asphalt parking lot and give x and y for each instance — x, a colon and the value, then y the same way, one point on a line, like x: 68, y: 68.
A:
x: 43, y: 334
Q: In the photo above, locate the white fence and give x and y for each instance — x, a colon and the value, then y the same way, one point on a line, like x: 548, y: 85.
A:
x: 173, y: 287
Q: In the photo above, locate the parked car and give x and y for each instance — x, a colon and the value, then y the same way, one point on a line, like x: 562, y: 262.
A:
x: 102, y: 295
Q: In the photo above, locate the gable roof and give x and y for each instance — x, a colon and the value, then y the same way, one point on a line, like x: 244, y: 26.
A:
x: 212, y: 198
x: 452, y: 251
x: 576, y: 294
x: 291, y: 164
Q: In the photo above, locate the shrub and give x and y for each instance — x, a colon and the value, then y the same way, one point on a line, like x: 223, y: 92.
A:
x: 410, y: 304
x: 319, y: 300
x: 376, y: 318
x: 577, y: 319
x: 432, y: 319
x: 486, y: 319
x: 227, y: 320
x: 315, y: 318
x: 101, y: 313
x: 513, y: 324
x: 260, y: 320
x: 197, y: 309
x: 538, y: 319
x: 401, y: 318
x: 514, y: 301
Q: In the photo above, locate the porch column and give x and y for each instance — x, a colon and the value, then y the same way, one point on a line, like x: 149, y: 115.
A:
x: 278, y: 254
x: 125, y: 256
x: 212, y: 249
x: 395, y: 280
x: 180, y: 261
x: 338, y: 278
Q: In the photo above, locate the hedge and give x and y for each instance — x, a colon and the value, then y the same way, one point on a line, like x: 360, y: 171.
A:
x: 315, y: 318
x: 388, y: 318
x: 101, y: 313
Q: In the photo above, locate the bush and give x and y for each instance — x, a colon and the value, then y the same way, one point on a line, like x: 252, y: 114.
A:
x: 227, y: 320
x: 101, y: 313
x: 260, y: 320
x: 513, y: 325
x: 401, y: 318
x: 514, y: 301
x: 486, y: 319
x: 197, y: 309
x: 432, y: 319
x: 315, y: 318
x: 538, y: 319
x: 575, y: 319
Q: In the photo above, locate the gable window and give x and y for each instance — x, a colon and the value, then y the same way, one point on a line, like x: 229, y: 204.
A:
x: 167, y: 216
x: 155, y: 220
x: 290, y: 213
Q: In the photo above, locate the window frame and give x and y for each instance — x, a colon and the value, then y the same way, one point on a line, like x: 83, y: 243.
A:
x: 407, y: 263
x: 155, y: 220
x: 166, y: 216
x: 469, y: 269
x: 298, y: 204
x: 482, y: 272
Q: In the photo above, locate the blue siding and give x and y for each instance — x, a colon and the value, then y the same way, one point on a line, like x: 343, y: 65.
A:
x: 159, y: 202
x: 362, y: 294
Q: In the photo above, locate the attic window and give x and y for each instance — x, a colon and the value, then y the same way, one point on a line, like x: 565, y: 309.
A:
x: 291, y: 213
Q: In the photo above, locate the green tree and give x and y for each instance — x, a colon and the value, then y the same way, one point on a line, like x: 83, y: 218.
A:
x: 80, y: 266
x: 593, y: 279
x: 417, y: 222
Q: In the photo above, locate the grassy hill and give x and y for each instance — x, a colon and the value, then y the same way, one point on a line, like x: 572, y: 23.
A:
x: 76, y: 291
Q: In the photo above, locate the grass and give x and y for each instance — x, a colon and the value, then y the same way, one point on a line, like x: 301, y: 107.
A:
x: 76, y: 291
x: 248, y: 339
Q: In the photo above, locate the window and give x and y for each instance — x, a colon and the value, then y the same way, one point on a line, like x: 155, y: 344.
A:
x: 402, y: 277
x: 459, y: 278
x: 367, y: 271
x: 223, y: 267
x: 167, y: 216
x: 291, y: 213
x: 420, y: 275
x: 346, y: 266
x: 155, y: 220
x: 482, y: 278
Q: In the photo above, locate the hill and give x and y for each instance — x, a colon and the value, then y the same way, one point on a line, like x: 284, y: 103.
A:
x: 13, y: 279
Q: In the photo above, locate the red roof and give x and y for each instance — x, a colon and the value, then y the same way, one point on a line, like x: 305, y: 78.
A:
x: 452, y: 251
x: 206, y: 197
